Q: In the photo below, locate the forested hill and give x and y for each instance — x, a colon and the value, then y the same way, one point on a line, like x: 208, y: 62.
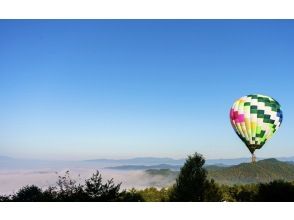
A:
x: 261, y: 171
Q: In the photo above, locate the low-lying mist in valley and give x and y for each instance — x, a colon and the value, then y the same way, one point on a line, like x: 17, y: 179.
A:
x: 12, y: 180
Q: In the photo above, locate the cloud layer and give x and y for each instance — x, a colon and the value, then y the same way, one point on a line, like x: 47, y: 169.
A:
x: 11, y: 181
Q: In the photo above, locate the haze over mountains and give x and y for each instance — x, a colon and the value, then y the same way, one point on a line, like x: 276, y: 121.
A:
x: 8, y: 163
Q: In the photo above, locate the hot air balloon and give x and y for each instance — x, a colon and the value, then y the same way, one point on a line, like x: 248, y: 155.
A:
x: 255, y: 118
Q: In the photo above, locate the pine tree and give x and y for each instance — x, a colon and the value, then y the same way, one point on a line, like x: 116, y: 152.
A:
x: 191, y: 183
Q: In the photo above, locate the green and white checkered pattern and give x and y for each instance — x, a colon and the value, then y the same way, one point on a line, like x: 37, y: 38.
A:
x: 255, y: 118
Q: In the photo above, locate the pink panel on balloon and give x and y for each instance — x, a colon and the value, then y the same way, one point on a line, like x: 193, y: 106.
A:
x: 235, y: 116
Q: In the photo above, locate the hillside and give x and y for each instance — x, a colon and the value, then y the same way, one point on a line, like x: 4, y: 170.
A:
x: 162, y: 172
x: 261, y: 171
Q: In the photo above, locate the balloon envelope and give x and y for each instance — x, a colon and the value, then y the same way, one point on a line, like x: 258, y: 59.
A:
x: 255, y: 118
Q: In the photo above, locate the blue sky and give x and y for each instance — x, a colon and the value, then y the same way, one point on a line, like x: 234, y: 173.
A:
x: 123, y: 88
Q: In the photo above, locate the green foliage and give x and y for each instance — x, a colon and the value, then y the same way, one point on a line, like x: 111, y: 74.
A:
x: 239, y: 193
x: 131, y: 195
x: 97, y: 191
x: 191, y: 183
x: 276, y: 191
x: 153, y: 194
x: 29, y: 194
x: 212, y: 192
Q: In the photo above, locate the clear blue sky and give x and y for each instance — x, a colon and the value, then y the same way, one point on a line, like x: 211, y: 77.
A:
x: 124, y: 88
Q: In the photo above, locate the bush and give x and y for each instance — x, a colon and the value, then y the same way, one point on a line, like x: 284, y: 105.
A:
x: 153, y: 194
x: 29, y: 194
x: 239, y: 193
x: 130, y: 196
x: 212, y: 192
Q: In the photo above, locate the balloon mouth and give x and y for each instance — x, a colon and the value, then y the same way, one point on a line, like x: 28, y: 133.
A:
x: 253, y: 147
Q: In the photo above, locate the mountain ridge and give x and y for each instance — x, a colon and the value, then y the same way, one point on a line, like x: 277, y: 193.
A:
x: 167, y: 160
x: 245, y: 173
x: 262, y: 171
x: 144, y: 167
x: 139, y: 161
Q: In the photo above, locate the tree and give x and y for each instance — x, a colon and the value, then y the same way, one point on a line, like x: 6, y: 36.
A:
x: 153, y: 194
x: 131, y: 195
x: 276, y: 191
x: 212, y: 192
x: 5, y: 198
x: 191, y: 183
x: 97, y: 191
x: 29, y: 194
x: 239, y: 193
x: 68, y: 190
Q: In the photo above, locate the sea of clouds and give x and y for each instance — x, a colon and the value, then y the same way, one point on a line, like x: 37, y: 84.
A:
x: 12, y: 180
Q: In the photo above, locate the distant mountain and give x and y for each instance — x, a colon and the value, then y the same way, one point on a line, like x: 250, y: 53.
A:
x: 226, y: 162
x: 171, y: 161
x: 7, y: 163
x: 140, y: 161
x: 162, y: 172
x: 144, y: 167
x: 164, y: 160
